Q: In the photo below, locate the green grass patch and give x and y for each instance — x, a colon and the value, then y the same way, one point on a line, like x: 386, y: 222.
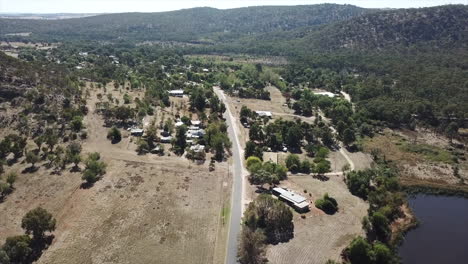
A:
x: 225, y: 214
x: 431, y: 153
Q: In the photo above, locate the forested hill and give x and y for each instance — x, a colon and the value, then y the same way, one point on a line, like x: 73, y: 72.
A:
x: 439, y: 27
x: 442, y: 26
x: 195, y: 25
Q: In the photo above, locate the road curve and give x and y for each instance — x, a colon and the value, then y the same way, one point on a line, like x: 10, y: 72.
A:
x: 238, y: 183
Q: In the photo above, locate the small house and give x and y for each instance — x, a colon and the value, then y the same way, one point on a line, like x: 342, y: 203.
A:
x: 264, y: 114
x: 138, y: 132
x: 176, y: 93
x: 167, y: 139
x: 296, y: 201
x: 197, y: 148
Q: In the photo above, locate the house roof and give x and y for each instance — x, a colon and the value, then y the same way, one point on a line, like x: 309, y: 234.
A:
x: 290, y: 196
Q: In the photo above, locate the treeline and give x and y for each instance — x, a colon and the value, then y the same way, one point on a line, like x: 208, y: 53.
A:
x: 380, y: 187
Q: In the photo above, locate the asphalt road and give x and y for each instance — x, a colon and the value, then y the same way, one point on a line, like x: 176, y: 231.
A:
x: 237, y: 185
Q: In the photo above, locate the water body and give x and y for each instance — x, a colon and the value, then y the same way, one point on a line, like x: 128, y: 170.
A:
x: 442, y: 236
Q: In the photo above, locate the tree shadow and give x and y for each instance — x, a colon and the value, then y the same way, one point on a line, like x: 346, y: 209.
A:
x: 321, y: 177
x: 75, y: 169
x: 30, y: 169
x: 281, y: 235
x: 86, y: 185
x: 115, y: 141
x: 38, y: 246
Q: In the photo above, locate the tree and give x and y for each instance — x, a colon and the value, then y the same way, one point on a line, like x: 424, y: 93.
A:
x: 382, y: 253
x: 381, y: 226
x: 51, y: 139
x: 271, y: 215
x: 253, y: 161
x: 180, y: 140
x: 359, y: 182
x: 32, y: 158
x: 293, y: 163
x: 142, y: 146
x: 73, y: 154
x: 94, y: 168
x: 251, y: 247
x: 451, y: 131
x: 360, y: 251
x: 294, y: 137
x: 323, y: 166
x: 37, y: 222
x: 348, y: 136
x: 11, y: 178
x: 4, y: 259
x: 251, y: 149
x: 114, y: 135
x: 77, y: 123
x: 256, y: 133
x: 18, y: 248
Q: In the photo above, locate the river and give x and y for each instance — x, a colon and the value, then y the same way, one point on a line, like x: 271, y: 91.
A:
x: 442, y: 236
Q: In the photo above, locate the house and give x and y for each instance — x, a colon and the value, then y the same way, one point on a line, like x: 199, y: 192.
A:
x: 176, y: 93
x: 167, y: 139
x: 179, y: 123
x: 138, y: 132
x: 206, y: 70
x: 195, y: 133
x: 195, y: 123
x: 331, y: 95
x: 296, y: 201
x: 264, y: 113
x: 197, y: 148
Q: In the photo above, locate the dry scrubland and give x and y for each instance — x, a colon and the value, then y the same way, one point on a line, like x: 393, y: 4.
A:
x: 423, y: 158
x: 146, y: 209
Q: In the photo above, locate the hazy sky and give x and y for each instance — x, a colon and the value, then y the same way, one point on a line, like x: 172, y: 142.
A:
x: 109, y: 6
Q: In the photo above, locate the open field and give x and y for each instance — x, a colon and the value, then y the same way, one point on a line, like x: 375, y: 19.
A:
x: 146, y: 209
x: 319, y: 236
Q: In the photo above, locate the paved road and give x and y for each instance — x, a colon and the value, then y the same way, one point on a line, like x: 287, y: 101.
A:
x: 237, y: 198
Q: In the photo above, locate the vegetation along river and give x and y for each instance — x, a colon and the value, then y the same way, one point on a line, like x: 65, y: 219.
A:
x: 442, y: 236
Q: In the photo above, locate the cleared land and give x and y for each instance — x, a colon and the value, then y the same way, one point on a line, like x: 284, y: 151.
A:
x: 146, y: 209
x: 319, y: 236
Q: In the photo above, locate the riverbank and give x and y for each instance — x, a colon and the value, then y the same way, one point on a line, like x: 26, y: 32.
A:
x: 416, y: 186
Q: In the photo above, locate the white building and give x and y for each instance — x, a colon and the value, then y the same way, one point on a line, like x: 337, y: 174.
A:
x: 296, y: 201
x: 197, y: 148
x: 264, y: 113
x: 177, y: 93
x: 325, y: 94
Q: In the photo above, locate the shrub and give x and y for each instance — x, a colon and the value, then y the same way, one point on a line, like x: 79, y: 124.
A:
x: 114, y: 135
x: 327, y: 204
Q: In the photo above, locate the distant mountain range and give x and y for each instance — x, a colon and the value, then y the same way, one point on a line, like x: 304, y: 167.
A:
x: 275, y: 29
x: 55, y: 16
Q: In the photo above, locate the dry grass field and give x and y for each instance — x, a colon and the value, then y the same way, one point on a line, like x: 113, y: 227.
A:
x: 319, y: 236
x: 146, y: 209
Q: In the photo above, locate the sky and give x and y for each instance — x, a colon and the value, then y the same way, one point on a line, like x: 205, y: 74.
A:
x: 114, y: 6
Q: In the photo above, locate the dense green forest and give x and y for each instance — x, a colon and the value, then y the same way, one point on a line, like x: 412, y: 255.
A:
x: 203, y: 25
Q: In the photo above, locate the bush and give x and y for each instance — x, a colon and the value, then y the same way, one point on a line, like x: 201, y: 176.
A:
x: 114, y: 135
x: 327, y: 204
